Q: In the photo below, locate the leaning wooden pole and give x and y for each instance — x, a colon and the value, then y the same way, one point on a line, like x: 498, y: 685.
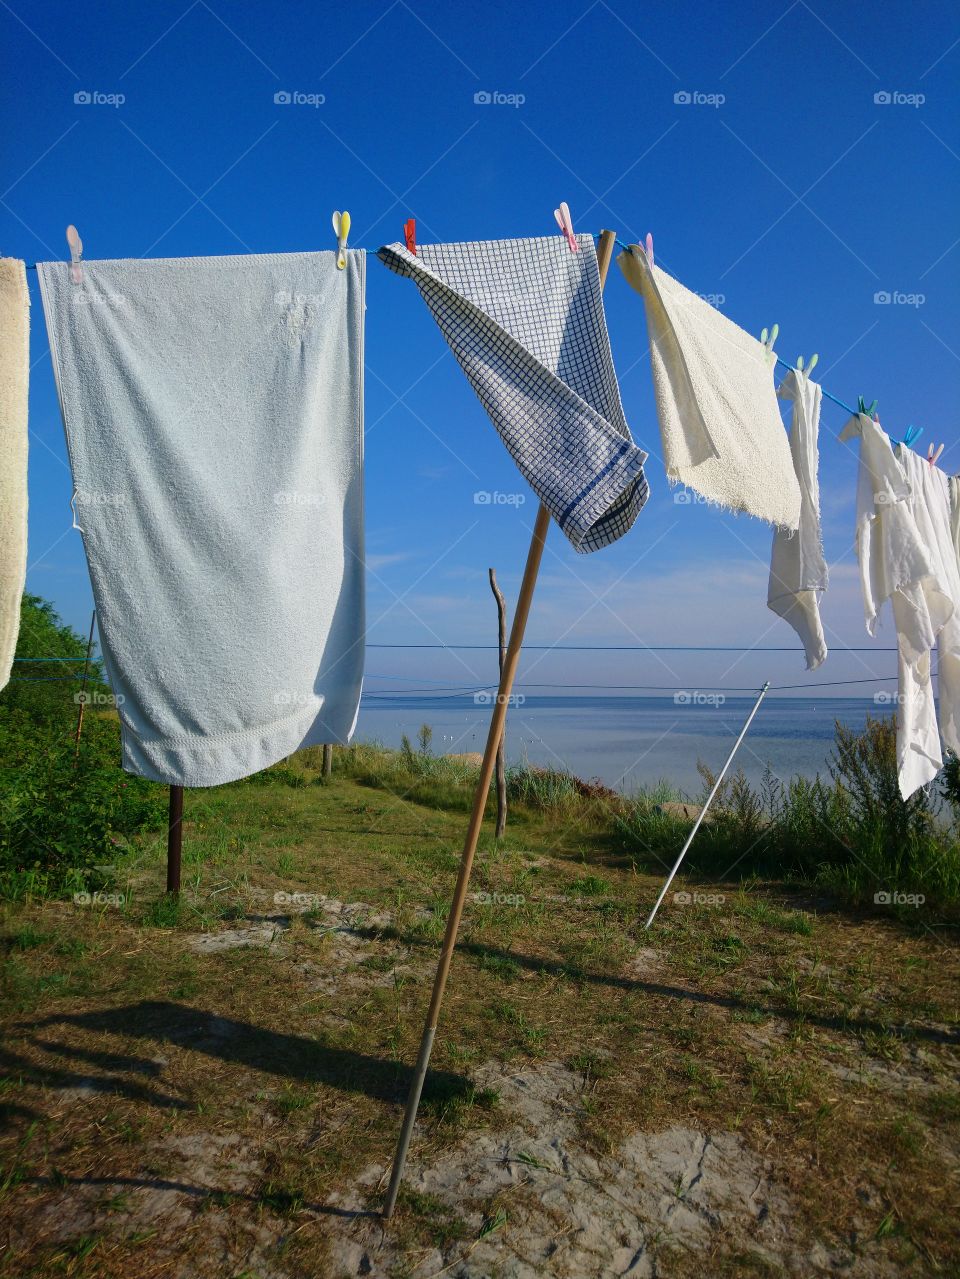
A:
x: 174, y: 839
x: 502, y: 748
x: 495, y: 733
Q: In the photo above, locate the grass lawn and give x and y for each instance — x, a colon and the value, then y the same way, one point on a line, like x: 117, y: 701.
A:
x: 764, y: 1084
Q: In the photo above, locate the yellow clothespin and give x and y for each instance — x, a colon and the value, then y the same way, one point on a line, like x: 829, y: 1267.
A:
x: 341, y: 228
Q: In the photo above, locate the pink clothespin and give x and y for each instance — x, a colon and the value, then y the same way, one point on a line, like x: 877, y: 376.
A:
x: 565, y: 223
x: 933, y: 457
x: 76, y: 252
x: 649, y: 248
x: 410, y: 234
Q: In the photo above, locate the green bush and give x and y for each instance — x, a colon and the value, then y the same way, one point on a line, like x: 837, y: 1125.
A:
x: 852, y: 832
x: 62, y: 813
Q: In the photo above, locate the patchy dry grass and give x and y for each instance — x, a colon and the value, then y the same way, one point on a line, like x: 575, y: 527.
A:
x: 762, y: 1086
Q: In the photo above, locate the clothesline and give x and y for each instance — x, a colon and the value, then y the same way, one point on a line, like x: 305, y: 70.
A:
x: 465, y: 691
x: 32, y: 266
x: 600, y: 648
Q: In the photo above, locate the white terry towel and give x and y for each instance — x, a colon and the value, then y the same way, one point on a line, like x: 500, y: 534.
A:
x: 719, y: 422
x: 798, y: 570
x: 14, y: 382
x: 213, y: 410
x: 907, y: 555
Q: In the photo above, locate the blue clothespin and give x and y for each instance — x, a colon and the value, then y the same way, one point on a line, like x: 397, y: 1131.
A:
x: 912, y: 433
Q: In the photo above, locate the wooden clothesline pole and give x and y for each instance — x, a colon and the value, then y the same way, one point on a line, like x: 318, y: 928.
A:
x: 497, y: 719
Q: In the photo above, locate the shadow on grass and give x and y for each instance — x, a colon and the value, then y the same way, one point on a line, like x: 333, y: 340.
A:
x: 850, y: 1025
x: 207, y: 1194
x: 195, y: 1030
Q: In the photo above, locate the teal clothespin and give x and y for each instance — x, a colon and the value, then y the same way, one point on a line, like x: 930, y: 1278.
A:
x: 768, y: 339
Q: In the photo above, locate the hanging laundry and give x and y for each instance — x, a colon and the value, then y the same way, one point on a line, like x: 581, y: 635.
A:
x: 14, y: 381
x: 953, y: 482
x: 214, y: 415
x: 525, y: 320
x: 798, y: 571
x: 719, y: 422
x: 907, y: 555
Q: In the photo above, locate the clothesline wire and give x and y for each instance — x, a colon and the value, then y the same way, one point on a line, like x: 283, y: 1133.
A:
x: 32, y: 266
x: 648, y: 648
x: 466, y: 690
x: 595, y: 648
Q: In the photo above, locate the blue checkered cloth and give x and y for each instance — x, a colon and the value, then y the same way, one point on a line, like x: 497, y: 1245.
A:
x: 525, y: 320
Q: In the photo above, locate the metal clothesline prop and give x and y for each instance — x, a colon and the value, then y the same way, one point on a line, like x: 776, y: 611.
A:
x: 495, y: 732
x: 703, y: 811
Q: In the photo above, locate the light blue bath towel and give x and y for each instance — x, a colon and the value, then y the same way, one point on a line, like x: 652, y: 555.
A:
x: 214, y: 417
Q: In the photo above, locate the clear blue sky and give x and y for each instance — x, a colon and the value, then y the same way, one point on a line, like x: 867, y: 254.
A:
x: 798, y: 197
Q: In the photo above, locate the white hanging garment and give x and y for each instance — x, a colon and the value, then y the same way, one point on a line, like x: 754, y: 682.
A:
x: 907, y: 555
x: 720, y: 424
x: 14, y: 378
x: 798, y: 571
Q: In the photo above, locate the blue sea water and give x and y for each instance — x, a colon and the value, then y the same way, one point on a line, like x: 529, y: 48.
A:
x: 629, y: 742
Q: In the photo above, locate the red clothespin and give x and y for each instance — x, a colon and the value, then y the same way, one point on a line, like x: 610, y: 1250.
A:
x: 565, y: 223
x: 410, y: 234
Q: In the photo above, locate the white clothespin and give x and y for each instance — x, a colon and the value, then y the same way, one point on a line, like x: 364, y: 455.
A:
x: 932, y: 457
x: 649, y: 249
x: 341, y: 228
x: 768, y: 345
x: 76, y: 253
x: 810, y: 366
x: 565, y: 223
